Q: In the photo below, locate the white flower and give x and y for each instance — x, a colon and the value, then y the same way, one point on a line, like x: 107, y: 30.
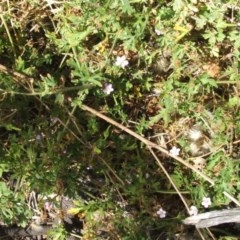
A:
x: 206, y: 202
x: 193, y: 211
x: 161, y: 213
x: 175, y: 151
x: 158, y: 32
x: 122, y: 61
x: 108, y: 88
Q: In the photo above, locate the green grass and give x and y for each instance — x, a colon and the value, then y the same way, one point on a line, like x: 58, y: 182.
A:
x: 78, y: 120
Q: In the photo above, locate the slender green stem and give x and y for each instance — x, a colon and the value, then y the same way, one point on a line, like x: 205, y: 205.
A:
x: 172, y: 192
x: 55, y: 91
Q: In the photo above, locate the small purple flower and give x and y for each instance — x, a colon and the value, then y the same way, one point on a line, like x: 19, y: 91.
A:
x: 161, y: 213
x: 174, y: 151
x: 122, y: 61
x: 206, y: 202
x: 108, y: 88
x: 38, y: 137
x: 48, y: 206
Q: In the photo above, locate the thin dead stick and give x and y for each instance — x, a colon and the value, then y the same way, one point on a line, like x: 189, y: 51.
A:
x: 21, y: 78
x: 112, y: 171
x: 169, y: 178
x: 232, y: 198
x: 145, y: 141
x: 210, y: 233
x: 200, y: 234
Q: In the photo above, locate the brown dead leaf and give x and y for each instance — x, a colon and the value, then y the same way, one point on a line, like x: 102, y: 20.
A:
x: 217, y: 169
x: 212, y: 69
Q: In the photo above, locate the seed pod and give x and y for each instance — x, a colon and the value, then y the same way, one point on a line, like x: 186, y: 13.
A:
x: 200, y: 143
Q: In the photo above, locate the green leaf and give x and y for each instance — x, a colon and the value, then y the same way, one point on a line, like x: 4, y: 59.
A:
x: 154, y: 119
x: 59, y: 98
x: 207, y: 81
x: 178, y: 5
x: 234, y: 101
x: 4, y: 191
x: 127, y: 7
x: 10, y: 127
